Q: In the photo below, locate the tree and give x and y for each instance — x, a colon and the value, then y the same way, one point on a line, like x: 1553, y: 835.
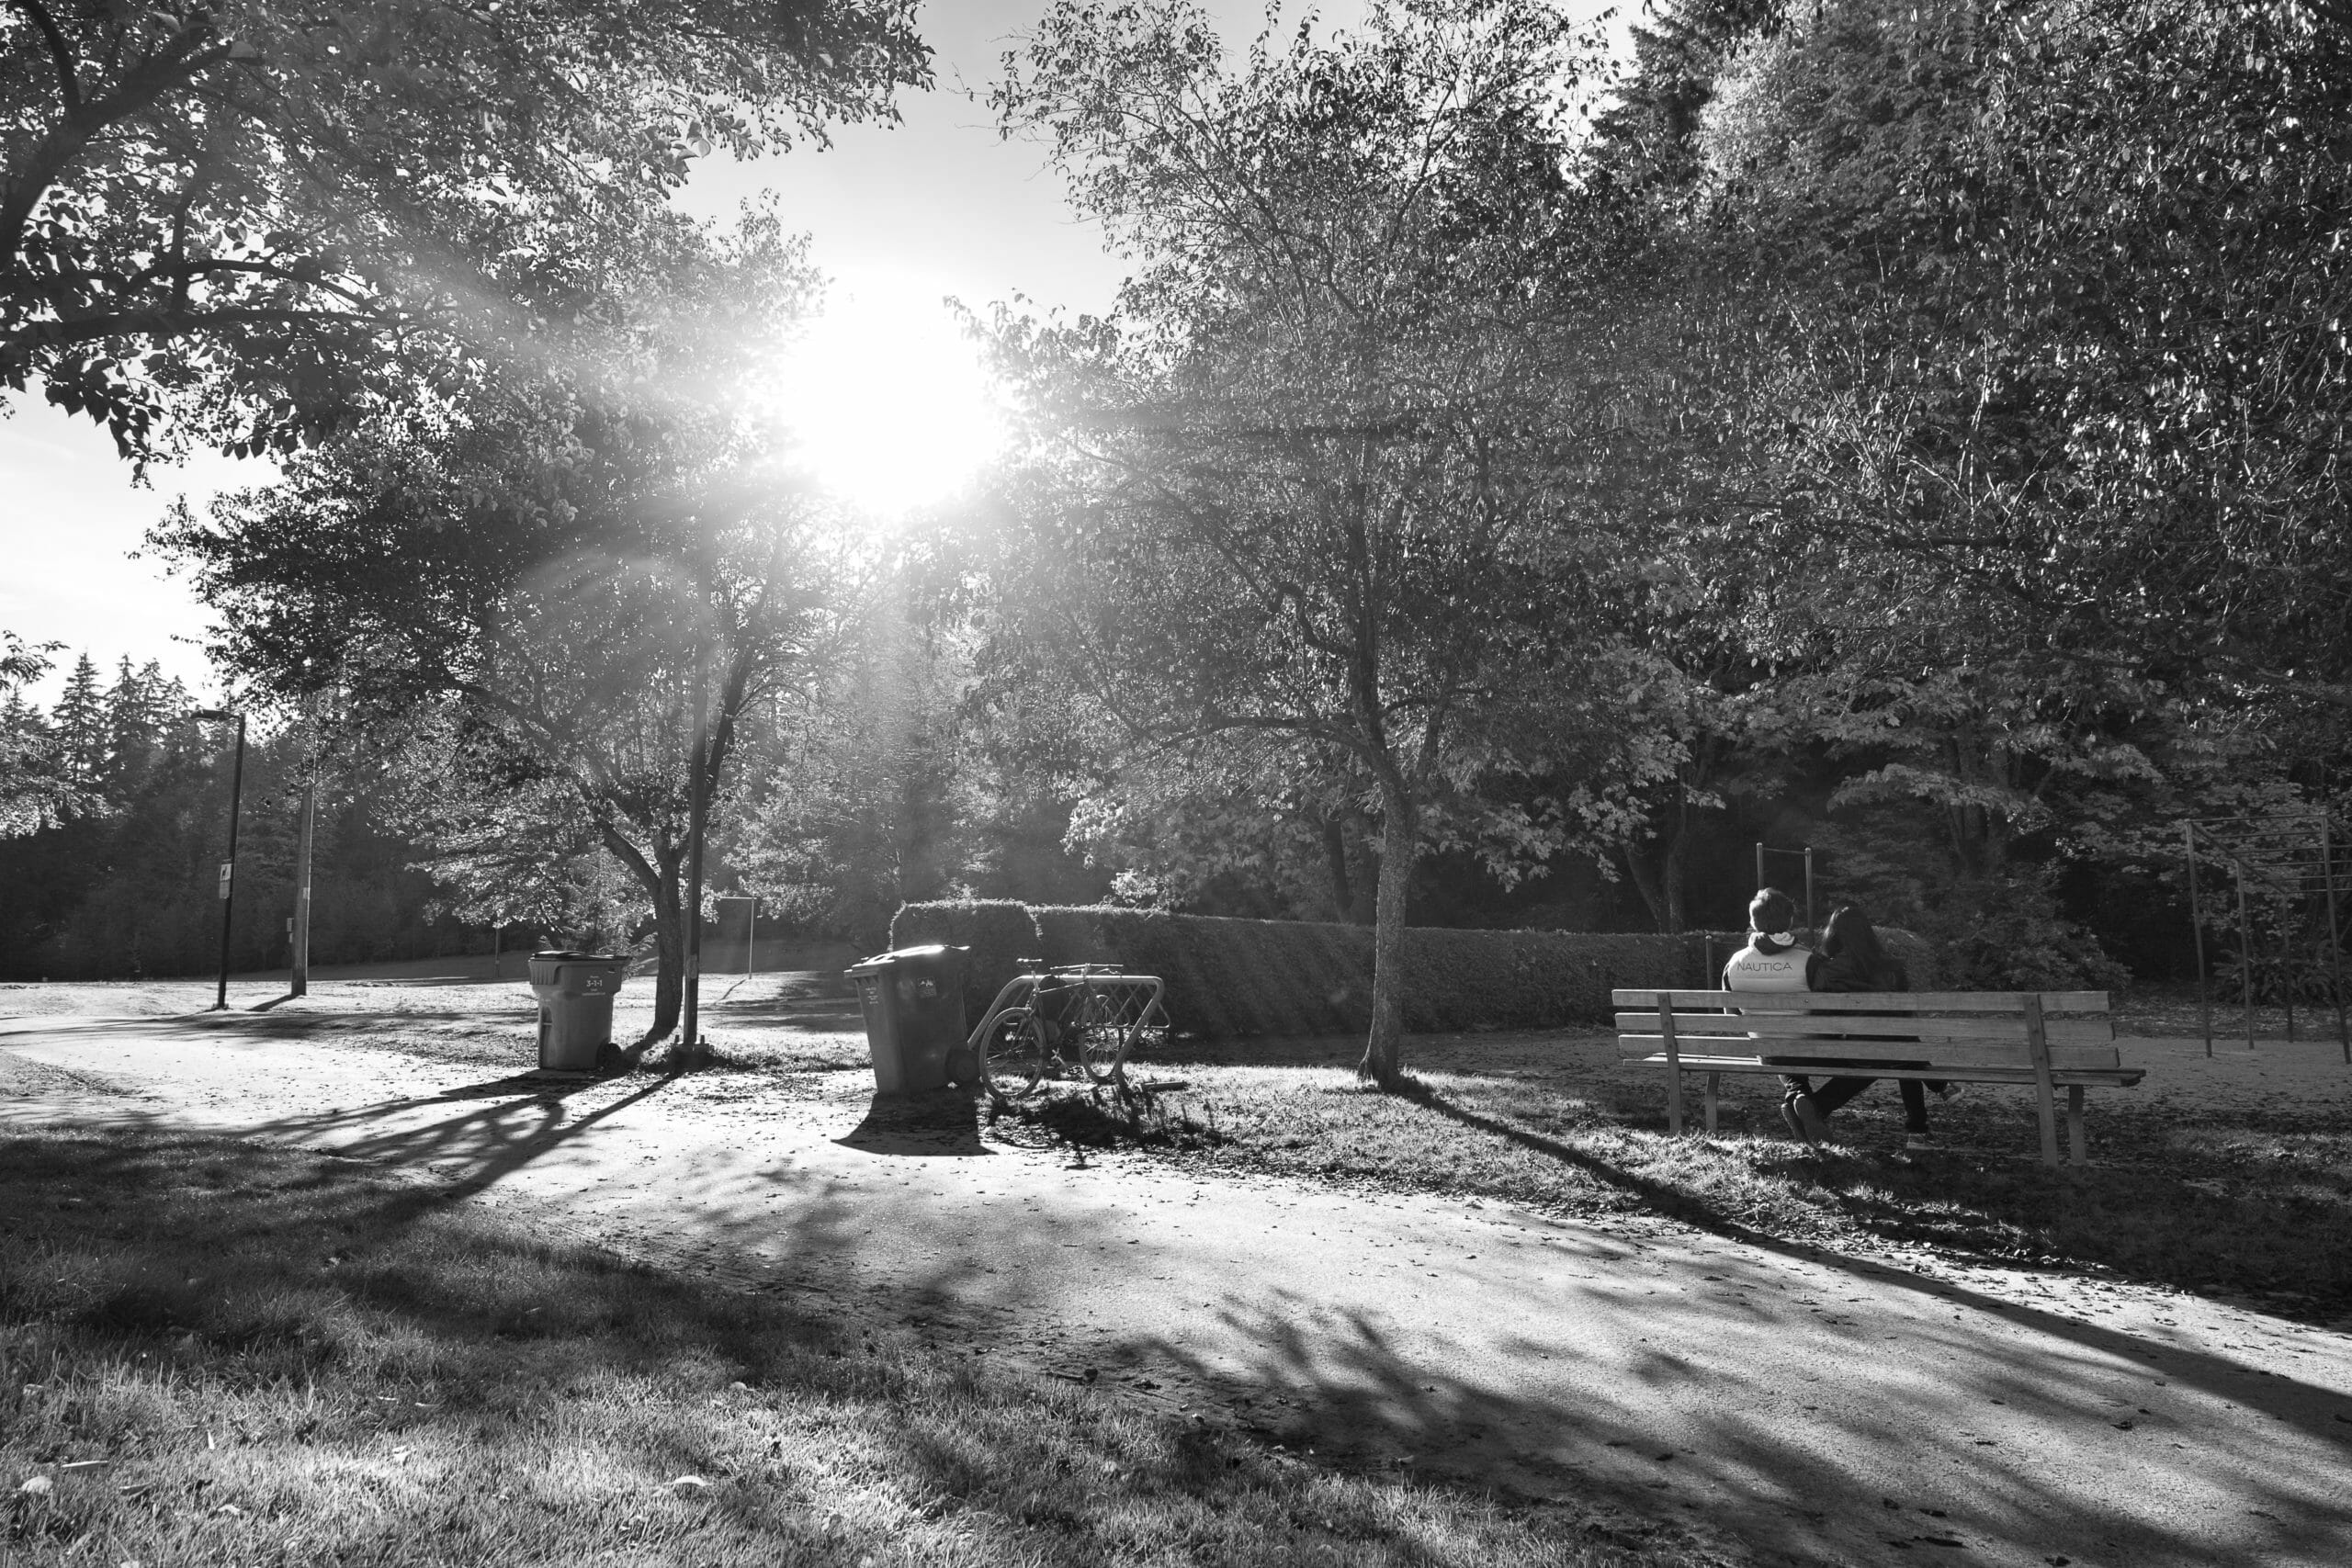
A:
x: 79, y: 724
x: 2006, y: 463
x: 37, y: 783
x: 856, y: 793
x: 585, y: 595
x: 2085, y: 353
x: 1314, y: 478
x: 258, y: 215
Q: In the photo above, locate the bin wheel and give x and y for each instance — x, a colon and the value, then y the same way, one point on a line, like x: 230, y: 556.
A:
x: 1013, y: 1055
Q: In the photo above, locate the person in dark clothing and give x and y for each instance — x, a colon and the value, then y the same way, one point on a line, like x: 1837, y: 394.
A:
x: 1851, y: 958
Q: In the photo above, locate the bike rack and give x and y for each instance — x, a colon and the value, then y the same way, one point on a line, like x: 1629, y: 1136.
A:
x: 1098, y: 996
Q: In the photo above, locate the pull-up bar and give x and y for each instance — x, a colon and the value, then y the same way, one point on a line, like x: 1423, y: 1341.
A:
x: 1764, y: 880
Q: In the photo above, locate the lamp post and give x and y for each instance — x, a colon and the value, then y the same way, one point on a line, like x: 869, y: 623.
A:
x: 691, y: 1045
x: 297, y: 982
x: 229, y: 867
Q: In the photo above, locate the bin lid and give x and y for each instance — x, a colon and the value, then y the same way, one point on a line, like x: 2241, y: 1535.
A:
x: 930, y: 950
x: 567, y: 955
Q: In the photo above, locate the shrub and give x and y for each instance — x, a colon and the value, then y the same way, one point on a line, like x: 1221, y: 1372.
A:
x: 2288, y: 972
x: 1228, y: 976
x: 999, y: 933
x: 2008, y: 936
x: 1075, y: 933
x: 1234, y: 978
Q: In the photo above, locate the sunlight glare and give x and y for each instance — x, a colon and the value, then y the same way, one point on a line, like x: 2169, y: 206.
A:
x: 888, y: 400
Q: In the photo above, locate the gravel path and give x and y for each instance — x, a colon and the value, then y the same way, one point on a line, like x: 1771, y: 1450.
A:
x: 1819, y: 1407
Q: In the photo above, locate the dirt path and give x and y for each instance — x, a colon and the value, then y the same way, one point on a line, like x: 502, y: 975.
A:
x: 1821, y: 1408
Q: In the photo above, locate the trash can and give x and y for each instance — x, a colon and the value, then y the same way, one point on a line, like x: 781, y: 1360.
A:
x: 575, y: 992
x: 913, y: 1001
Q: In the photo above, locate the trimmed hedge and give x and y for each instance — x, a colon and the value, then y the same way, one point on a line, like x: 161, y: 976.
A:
x: 1230, y: 977
x: 998, y: 931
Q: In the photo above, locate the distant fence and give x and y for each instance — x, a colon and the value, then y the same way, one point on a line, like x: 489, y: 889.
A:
x: 1229, y: 977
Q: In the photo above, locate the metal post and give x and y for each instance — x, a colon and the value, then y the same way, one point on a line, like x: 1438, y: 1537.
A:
x: 1808, y: 891
x: 299, y: 984
x: 690, y: 1041
x: 751, y: 936
x: 2335, y: 939
x: 229, y: 867
x: 497, y: 959
x: 2246, y: 955
x: 2197, y: 930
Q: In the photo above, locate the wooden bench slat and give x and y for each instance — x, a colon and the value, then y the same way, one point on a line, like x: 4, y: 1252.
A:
x: 1987, y: 1053
x: 2023, y: 1074
x: 2012, y: 1002
x: 1785, y: 1025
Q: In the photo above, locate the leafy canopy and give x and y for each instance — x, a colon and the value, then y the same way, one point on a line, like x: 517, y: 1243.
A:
x: 257, y: 214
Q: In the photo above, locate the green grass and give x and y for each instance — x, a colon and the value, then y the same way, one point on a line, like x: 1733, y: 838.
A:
x: 2220, y: 1202
x: 215, y: 1353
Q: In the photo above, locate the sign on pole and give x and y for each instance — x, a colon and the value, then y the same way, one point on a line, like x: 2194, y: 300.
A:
x: 227, y: 866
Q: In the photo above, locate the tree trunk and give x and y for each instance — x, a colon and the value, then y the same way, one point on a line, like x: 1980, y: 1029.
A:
x: 1399, y: 846
x: 1646, y: 882
x: 669, y: 966
x: 1677, y: 851
x: 1660, y: 886
x: 1364, y: 871
x: 1336, y: 863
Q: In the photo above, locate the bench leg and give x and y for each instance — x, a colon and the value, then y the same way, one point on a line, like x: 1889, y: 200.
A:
x: 1714, y: 1082
x: 2076, y: 1146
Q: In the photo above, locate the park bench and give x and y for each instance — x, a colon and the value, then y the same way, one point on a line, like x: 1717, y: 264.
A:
x: 2043, y: 1040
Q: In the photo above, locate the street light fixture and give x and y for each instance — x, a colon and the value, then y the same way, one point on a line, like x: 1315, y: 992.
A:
x: 229, y: 867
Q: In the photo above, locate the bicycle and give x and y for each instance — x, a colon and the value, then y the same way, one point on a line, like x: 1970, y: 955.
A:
x: 1081, y: 1019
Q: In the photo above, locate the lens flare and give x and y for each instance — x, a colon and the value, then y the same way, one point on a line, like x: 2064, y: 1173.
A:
x: 888, y: 401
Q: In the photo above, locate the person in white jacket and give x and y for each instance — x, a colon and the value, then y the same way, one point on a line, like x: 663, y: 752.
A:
x: 1774, y: 962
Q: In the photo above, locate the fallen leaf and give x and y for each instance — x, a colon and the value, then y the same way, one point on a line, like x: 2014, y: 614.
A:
x: 35, y: 1487
x: 694, y: 1480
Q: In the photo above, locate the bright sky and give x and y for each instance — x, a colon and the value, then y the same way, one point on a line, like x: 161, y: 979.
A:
x: 900, y: 217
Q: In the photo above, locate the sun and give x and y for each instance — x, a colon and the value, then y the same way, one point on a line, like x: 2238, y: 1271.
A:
x: 889, y: 407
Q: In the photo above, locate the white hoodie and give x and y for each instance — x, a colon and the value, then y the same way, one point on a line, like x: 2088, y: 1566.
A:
x: 1768, y: 964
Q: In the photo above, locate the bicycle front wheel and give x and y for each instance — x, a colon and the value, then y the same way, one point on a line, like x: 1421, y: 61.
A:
x: 1013, y: 1055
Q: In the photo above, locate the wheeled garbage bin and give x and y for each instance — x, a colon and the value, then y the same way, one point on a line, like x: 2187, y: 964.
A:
x: 913, y: 1001
x: 575, y: 992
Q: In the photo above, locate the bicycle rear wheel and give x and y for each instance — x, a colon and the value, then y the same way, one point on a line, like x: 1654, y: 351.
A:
x: 1102, y: 1039
x: 1013, y: 1055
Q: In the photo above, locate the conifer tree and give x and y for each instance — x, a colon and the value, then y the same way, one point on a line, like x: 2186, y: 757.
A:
x: 79, y: 724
